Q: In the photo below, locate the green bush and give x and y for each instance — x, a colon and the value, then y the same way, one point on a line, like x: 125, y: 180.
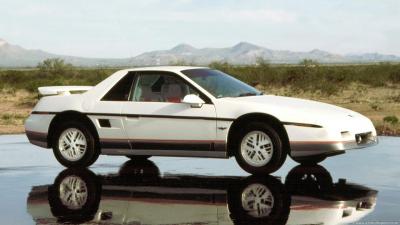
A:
x: 375, y: 106
x: 324, y: 79
x: 54, y: 66
x: 30, y: 80
x: 391, y: 119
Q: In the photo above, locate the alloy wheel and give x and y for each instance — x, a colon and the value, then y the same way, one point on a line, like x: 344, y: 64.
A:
x: 256, y: 148
x: 72, y: 144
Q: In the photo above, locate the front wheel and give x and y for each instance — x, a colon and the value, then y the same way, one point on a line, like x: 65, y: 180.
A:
x: 259, y: 149
x: 259, y: 201
x: 310, y: 160
x: 74, y: 145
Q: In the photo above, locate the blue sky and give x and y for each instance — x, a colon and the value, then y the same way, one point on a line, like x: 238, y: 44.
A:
x: 100, y: 28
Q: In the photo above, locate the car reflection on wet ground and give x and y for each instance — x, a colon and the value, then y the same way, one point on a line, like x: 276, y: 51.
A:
x: 139, y: 195
x: 361, y: 186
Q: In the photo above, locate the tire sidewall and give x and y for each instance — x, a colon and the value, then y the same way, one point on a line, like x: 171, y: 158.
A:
x: 91, y: 149
x: 278, y: 155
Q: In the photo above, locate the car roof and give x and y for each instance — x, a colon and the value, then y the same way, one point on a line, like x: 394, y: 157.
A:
x: 165, y: 68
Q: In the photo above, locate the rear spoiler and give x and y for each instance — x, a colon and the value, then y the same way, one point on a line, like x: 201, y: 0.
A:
x: 62, y: 90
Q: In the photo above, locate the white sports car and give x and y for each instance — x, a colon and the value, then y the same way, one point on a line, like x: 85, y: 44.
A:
x: 190, y: 111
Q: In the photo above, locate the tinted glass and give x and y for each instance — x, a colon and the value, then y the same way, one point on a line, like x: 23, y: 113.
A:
x: 120, y: 91
x: 220, y: 84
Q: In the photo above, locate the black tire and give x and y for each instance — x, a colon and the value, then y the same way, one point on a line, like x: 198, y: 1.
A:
x: 280, y: 202
x: 310, y: 160
x: 138, y: 157
x: 278, y: 156
x: 313, y: 180
x: 86, y: 212
x: 91, y: 153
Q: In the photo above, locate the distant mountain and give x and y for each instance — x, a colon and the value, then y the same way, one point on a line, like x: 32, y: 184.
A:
x: 247, y: 53
x: 241, y: 53
x: 16, y: 56
x: 372, y: 57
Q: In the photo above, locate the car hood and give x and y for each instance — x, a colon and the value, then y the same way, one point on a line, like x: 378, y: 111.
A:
x: 294, y: 106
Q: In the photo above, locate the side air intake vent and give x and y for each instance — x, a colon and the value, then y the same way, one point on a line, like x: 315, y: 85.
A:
x: 104, y: 123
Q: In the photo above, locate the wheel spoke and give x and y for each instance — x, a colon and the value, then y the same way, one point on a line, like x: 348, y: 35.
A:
x: 76, y: 134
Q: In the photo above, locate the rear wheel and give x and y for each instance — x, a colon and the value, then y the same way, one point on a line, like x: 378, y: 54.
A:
x: 74, y: 145
x: 259, y: 149
x: 75, y: 196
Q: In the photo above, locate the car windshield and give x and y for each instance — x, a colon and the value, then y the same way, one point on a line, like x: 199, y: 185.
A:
x: 220, y: 84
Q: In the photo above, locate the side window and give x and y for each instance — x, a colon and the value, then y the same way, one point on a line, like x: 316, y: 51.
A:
x: 160, y: 88
x: 120, y: 91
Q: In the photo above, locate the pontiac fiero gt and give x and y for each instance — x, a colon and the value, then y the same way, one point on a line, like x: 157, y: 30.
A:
x: 190, y: 112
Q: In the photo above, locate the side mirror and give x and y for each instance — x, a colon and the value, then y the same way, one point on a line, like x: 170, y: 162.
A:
x: 194, y: 101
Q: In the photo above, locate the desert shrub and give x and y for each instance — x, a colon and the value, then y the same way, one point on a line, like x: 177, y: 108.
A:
x: 391, y: 119
x: 31, y: 79
x: 375, y: 106
x: 6, y: 116
x: 395, y: 98
x: 11, y: 118
x: 395, y: 76
x: 54, y: 66
x: 325, y: 79
x: 309, y: 62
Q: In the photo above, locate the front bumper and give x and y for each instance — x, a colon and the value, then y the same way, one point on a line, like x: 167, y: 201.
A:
x: 308, y: 148
x: 305, y: 141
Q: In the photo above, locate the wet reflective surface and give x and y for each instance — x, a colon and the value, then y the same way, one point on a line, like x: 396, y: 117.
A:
x: 361, y: 186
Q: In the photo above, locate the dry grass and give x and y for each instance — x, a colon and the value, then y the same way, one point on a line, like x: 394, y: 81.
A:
x: 15, y: 107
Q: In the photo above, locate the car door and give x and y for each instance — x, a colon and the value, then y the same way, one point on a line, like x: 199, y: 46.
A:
x: 157, y: 120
